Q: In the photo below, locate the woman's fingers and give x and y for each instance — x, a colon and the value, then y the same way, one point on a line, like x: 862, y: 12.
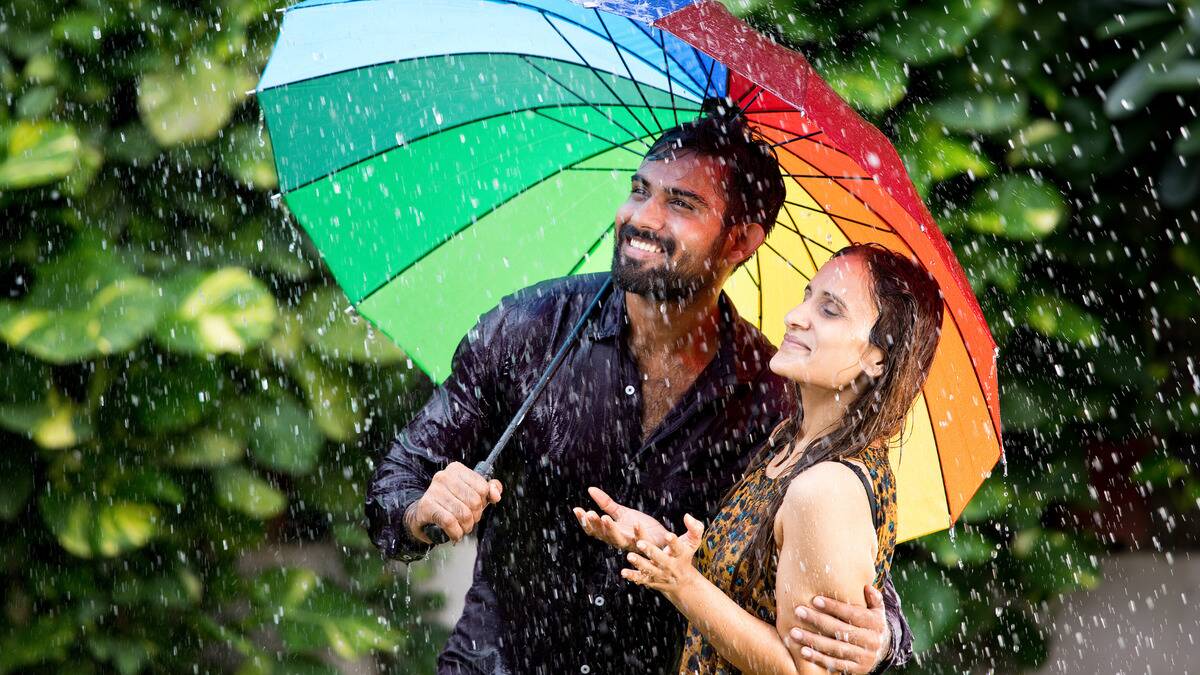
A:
x: 659, y: 556
x: 641, y: 564
x: 636, y: 577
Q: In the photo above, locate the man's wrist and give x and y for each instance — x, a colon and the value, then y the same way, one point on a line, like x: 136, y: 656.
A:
x: 407, y: 519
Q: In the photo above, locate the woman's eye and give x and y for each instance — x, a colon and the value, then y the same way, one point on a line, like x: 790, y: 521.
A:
x: 682, y: 204
x: 829, y: 310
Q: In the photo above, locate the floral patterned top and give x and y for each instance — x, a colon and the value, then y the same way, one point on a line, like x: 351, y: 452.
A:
x: 719, y: 557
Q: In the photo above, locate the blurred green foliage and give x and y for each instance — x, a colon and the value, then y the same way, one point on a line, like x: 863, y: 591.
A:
x: 1055, y: 144
x: 182, y: 388
x: 183, y: 393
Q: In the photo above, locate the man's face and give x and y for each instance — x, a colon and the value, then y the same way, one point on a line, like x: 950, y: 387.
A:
x: 670, y: 231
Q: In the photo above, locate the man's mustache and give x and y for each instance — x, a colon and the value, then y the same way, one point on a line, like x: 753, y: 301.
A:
x: 629, y: 231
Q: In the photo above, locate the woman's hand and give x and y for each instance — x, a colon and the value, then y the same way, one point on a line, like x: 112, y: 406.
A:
x: 667, y: 569
x: 620, y: 525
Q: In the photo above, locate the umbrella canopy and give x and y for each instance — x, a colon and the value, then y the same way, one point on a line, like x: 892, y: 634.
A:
x: 444, y: 153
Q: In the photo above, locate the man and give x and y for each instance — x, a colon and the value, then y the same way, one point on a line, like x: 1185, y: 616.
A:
x: 660, y: 404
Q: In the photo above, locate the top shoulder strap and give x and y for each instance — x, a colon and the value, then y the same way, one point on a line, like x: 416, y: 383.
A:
x: 866, y: 481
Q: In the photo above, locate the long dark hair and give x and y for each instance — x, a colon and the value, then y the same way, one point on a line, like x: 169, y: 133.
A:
x: 906, y: 331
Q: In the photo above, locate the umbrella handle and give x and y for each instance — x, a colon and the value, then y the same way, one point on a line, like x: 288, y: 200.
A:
x: 484, y: 468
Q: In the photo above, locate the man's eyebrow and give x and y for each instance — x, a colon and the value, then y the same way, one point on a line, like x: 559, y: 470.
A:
x: 674, y: 192
x: 688, y: 194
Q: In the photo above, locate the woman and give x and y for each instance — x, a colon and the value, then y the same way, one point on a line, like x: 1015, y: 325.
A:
x: 815, y: 512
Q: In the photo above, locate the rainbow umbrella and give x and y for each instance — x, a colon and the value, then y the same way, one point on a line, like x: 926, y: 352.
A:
x: 442, y: 154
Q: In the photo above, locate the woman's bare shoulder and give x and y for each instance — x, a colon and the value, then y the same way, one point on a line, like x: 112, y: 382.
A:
x: 827, y: 496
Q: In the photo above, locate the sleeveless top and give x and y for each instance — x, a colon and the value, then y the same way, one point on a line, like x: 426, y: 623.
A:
x: 719, y: 557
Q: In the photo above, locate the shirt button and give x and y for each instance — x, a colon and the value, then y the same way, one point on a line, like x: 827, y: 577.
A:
x: 585, y: 669
x: 599, y: 601
x: 629, y: 390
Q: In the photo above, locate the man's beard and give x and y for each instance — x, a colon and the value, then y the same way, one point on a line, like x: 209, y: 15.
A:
x: 676, y: 280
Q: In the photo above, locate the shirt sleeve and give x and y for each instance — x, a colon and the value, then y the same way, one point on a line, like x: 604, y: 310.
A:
x: 901, y: 649
x: 454, y: 425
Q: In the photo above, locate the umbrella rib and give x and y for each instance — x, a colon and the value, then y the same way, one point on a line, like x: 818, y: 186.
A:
x: 392, y: 277
x: 598, y: 76
x: 662, y: 42
x: 803, y: 237
x: 708, y: 76
x: 937, y: 450
x: 805, y: 137
x: 846, y: 218
x: 457, y: 126
x: 786, y: 131
x: 588, y: 103
x: 826, y: 176
x: 667, y: 64
x: 636, y: 85
x: 787, y: 262
x: 592, y: 248
x: 612, y: 144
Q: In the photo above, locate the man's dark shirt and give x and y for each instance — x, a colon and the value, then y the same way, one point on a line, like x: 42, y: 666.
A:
x: 546, y: 598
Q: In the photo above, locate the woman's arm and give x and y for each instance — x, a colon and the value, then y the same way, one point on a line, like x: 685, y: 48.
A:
x: 750, y: 644
x: 826, y: 547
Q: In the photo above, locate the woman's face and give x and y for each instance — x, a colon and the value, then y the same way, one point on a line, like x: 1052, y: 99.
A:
x: 827, y: 339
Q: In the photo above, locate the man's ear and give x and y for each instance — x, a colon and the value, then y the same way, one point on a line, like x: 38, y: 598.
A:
x: 747, y: 237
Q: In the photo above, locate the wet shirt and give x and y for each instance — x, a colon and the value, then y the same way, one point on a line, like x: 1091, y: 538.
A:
x: 545, y: 597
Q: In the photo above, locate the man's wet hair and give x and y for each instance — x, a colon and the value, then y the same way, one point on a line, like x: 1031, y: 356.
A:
x: 754, y: 188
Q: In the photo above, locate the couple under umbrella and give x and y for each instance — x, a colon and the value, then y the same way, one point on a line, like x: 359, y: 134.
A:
x: 751, y: 496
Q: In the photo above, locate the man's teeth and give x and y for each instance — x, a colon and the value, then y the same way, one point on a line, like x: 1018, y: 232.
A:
x: 643, y: 246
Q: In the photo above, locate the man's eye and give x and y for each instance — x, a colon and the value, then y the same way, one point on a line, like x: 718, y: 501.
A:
x: 682, y: 204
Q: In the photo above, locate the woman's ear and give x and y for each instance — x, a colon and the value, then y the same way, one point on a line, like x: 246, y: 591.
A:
x: 873, y: 361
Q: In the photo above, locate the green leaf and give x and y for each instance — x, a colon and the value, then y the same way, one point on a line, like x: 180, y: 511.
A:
x: 48, y: 638
x: 225, y: 311
x: 17, y: 469
x: 128, y: 655
x: 982, y: 113
x: 1053, y: 316
x: 38, y: 153
x: 192, y: 102
x: 173, y: 397
x: 207, y: 448
x: 937, y: 30
x: 1152, y: 73
x: 1017, y: 207
x: 869, y: 80
x: 31, y: 405
x: 83, y: 304
x: 247, y: 157
x: 993, y: 500
x: 966, y: 547
x: 338, y: 335
x: 331, y: 398
x: 284, y: 437
x: 316, y: 616
x: 88, y: 528
x: 931, y: 603
x: 240, y: 489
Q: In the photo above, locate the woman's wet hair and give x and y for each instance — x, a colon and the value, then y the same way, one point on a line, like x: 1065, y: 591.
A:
x: 906, y: 331
x: 754, y: 188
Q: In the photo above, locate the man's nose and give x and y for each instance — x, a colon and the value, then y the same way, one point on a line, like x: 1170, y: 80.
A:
x: 647, y: 216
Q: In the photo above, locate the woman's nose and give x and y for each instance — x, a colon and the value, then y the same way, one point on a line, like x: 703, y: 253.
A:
x: 797, y: 317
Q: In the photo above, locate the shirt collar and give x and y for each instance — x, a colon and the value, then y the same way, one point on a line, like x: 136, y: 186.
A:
x: 740, y: 356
